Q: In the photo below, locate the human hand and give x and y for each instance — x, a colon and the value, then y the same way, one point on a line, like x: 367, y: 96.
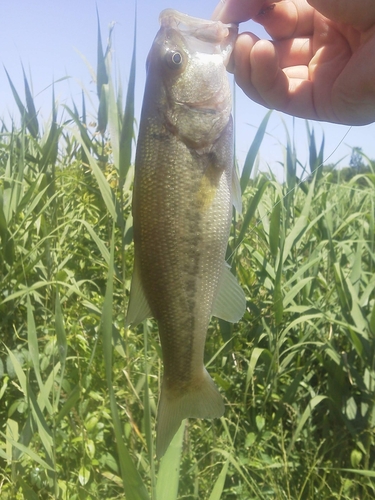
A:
x: 320, y: 64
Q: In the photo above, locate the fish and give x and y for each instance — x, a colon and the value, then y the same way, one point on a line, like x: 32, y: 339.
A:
x: 182, y: 208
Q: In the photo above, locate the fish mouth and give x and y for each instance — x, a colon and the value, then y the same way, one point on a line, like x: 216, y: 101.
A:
x: 203, y: 29
x: 219, y: 37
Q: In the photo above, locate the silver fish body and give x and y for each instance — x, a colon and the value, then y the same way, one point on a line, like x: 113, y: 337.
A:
x: 182, y: 205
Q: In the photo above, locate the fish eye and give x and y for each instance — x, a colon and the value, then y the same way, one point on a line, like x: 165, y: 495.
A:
x: 174, y: 59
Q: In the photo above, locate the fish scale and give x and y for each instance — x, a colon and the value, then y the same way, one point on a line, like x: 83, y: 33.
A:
x: 182, y: 206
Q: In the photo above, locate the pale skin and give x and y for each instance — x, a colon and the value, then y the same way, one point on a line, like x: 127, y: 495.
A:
x: 320, y: 63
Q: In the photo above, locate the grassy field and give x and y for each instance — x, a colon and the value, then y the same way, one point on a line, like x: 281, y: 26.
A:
x: 78, y: 390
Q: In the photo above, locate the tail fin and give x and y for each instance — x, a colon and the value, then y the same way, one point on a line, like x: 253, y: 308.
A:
x: 202, y: 401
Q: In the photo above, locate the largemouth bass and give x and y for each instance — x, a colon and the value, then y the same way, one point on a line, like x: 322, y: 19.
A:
x: 182, y: 206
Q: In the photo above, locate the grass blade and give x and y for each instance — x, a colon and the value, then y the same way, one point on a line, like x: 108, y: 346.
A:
x: 25, y: 449
x: 294, y: 236
x: 105, y: 189
x: 147, y: 412
x: 127, y: 131
x: 101, y: 70
x: 255, y: 355
x: 220, y: 482
x: 278, y: 294
x: 169, y: 471
x: 133, y: 485
x: 251, y: 210
x: 306, y: 414
x: 253, y: 151
x: 372, y: 320
x: 101, y: 83
x: 61, y: 341
x: 32, y: 119
x: 32, y: 341
x: 19, y: 103
x: 99, y: 243
x: 274, y: 234
x: 44, y: 431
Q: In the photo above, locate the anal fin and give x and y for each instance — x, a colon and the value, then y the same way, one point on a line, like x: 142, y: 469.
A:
x: 230, y: 302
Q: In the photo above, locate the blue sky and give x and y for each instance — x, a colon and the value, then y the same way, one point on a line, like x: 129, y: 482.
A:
x: 49, y: 37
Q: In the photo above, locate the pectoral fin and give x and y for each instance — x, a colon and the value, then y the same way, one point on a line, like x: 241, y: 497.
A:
x: 138, y: 309
x: 230, y: 302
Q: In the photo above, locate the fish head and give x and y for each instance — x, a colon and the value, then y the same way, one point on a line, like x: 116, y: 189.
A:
x: 187, y: 77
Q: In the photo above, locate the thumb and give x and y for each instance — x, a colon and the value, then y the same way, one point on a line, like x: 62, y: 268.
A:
x: 359, y: 14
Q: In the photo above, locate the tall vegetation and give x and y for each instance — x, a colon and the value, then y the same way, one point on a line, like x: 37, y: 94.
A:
x: 78, y: 390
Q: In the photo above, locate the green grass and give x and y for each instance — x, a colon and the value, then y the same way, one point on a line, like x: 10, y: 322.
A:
x: 79, y: 390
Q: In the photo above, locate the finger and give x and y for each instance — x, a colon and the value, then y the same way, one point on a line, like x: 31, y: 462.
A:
x: 280, y: 18
x: 354, y: 90
x: 360, y: 14
x: 241, y: 65
x: 287, y: 19
x: 294, y: 52
x: 259, y: 75
x: 237, y: 11
x: 266, y: 75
